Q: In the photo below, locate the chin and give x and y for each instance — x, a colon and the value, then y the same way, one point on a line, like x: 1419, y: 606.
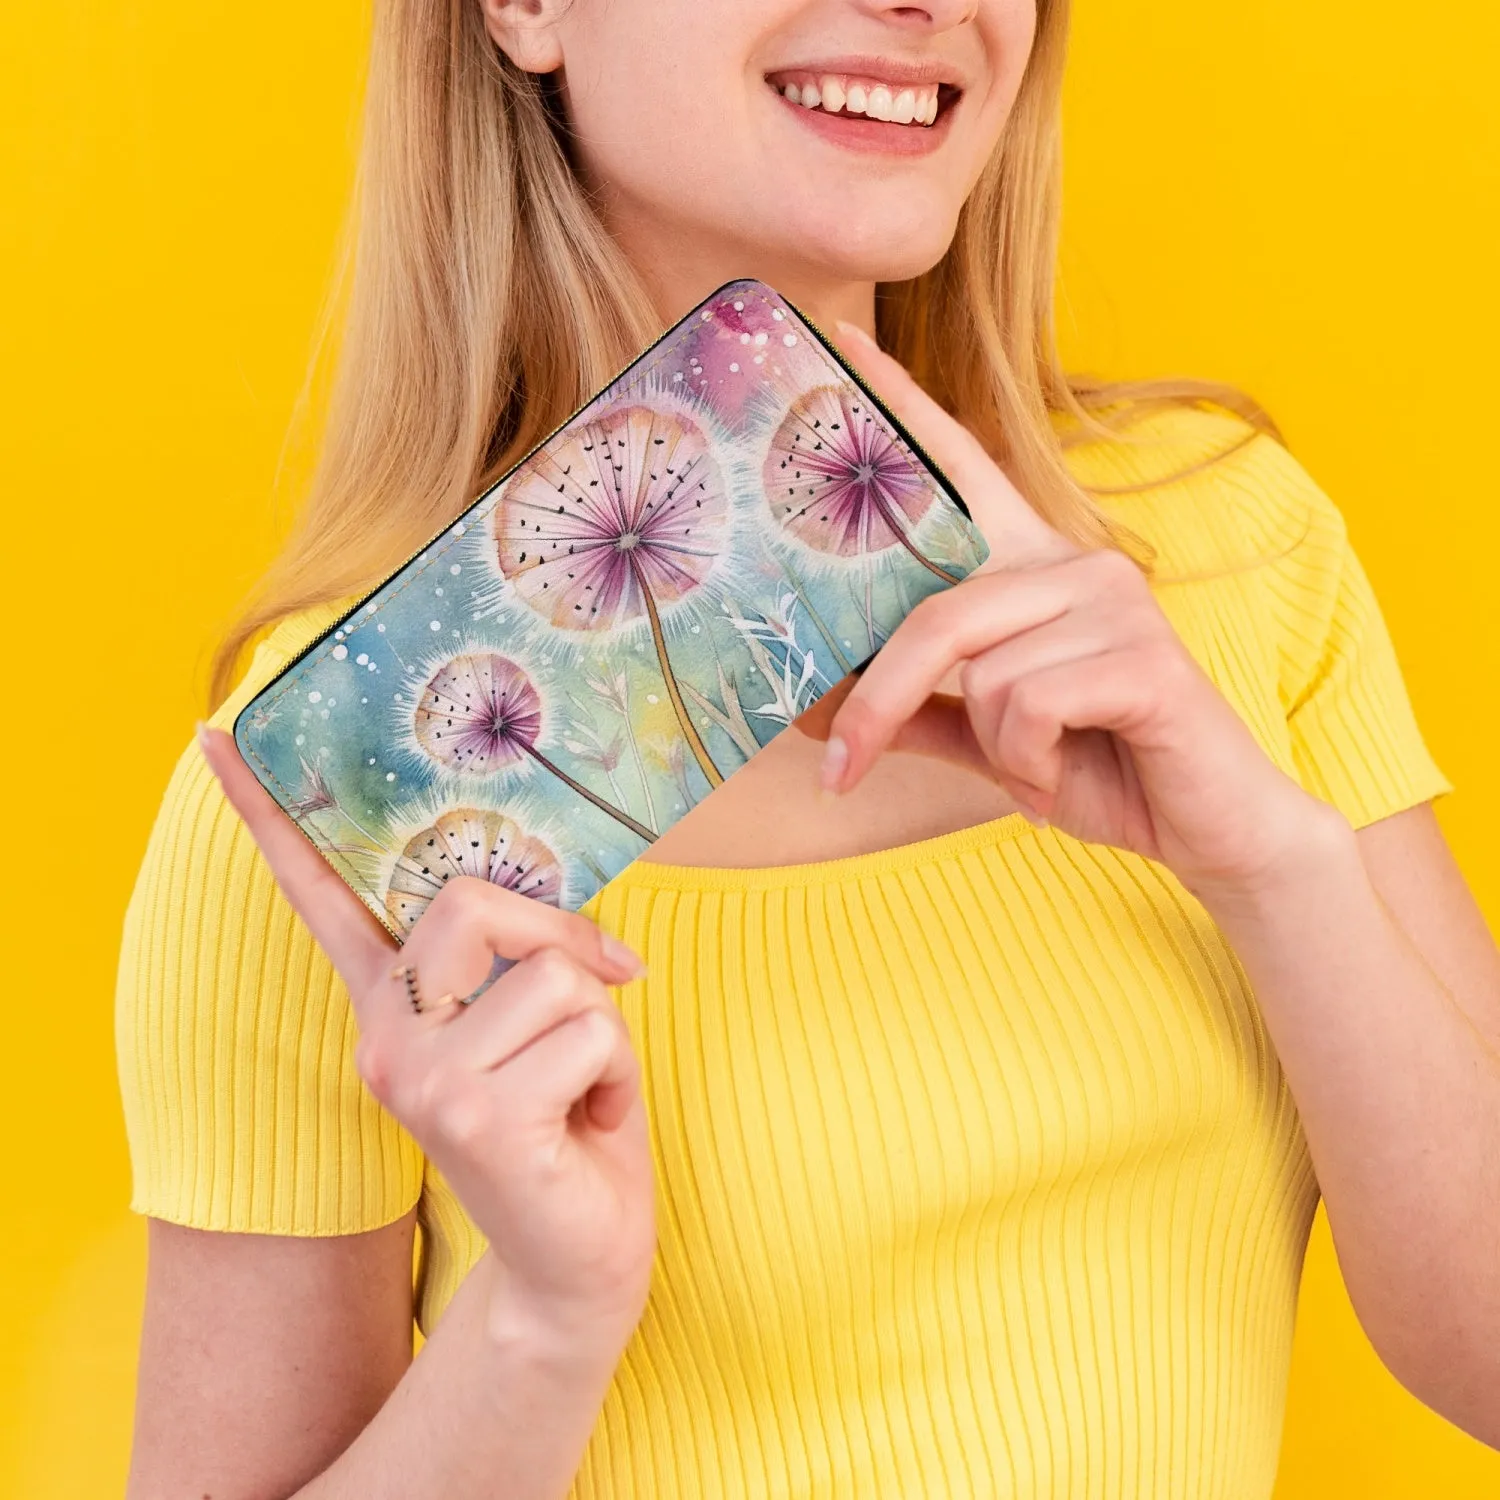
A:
x: 905, y: 245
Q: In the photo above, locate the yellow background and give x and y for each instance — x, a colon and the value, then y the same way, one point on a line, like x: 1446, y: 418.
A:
x: 1298, y: 198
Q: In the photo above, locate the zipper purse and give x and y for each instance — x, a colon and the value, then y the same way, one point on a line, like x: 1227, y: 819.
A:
x: 622, y: 620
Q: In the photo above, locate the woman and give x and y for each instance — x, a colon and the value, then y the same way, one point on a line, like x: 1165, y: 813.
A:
x: 1000, y: 1024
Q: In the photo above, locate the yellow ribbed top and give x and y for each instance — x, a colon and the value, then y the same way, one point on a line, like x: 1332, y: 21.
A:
x: 977, y: 1173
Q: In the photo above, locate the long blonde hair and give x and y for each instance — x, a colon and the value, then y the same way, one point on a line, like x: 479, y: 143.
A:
x: 483, y: 302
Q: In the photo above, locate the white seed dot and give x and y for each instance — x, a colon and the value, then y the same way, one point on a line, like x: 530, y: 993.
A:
x: 315, y: 696
x: 338, y: 635
x: 760, y: 337
x: 438, y: 589
x: 381, y: 627
x: 696, y: 629
x: 301, y: 739
x: 340, y: 652
x: 371, y: 667
x: 744, y: 338
x: 706, y: 314
x: 652, y: 698
x: 390, y: 775
x: 364, y: 700
x: 789, y: 339
x: 739, y: 307
x: 323, y: 713
x: 456, y: 569
x: 370, y: 608
x: 760, y: 359
x: 734, y: 369
x: 361, y: 659
x: 460, y: 528
x: 677, y: 376
x: 371, y: 761
x: 777, y: 313
x: 333, y: 703
x: 434, y: 624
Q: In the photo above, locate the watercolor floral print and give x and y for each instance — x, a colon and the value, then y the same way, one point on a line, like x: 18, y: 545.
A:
x: 722, y: 534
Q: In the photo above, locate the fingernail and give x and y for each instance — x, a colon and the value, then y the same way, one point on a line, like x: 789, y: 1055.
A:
x: 621, y: 956
x: 855, y: 332
x: 835, y: 763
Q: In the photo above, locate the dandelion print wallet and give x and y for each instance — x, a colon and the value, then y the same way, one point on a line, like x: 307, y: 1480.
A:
x: 661, y: 586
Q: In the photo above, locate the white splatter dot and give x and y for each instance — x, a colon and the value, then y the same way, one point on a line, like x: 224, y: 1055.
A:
x: 371, y: 667
x: 315, y: 696
x: 364, y: 700
x: 777, y: 313
x: 652, y: 698
x: 434, y: 624
x: 371, y: 607
x: 460, y: 528
x: 744, y: 338
x: 381, y: 627
x: 704, y: 723
x: 760, y: 359
x: 333, y: 703
x: 739, y: 307
x: 338, y: 635
x: 760, y: 338
x: 456, y: 569
x: 300, y: 740
x: 849, y: 644
x: 734, y: 369
x: 706, y: 314
x: 340, y: 652
x: 789, y: 339
x: 396, y: 697
x: 390, y: 775
x: 362, y: 659
x: 323, y: 714
x: 438, y: 590
x: 677, y: 376
x: 697, y: 629
x: 371, y: 761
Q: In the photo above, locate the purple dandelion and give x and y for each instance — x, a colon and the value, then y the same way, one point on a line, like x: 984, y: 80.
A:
x: 481, y: 842
x: 479, y: 713
x: 839, y: 481
x: 624, y: 519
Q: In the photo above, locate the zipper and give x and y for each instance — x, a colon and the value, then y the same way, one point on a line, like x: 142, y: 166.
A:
x: 948, y: 488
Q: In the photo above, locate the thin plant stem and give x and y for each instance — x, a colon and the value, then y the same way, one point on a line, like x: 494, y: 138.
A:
x: 639, y: 829
x: 700, y: 752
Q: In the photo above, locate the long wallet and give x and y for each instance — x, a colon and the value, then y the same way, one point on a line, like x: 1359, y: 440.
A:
x: 618, y: 623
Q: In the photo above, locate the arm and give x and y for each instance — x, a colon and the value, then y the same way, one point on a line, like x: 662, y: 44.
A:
x: 1380, y: 987
x: 271, y: 1362
x: 1058, y: 674
x: 273, y: 1366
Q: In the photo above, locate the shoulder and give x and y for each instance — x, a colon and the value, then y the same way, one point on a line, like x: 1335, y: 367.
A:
x: 1208, y: 491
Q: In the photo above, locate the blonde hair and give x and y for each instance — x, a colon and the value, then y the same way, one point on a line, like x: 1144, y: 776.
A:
x: 484, y: 302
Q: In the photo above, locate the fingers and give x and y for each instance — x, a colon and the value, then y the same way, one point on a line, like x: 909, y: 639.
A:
x: 942, y: 631
x: 341, y: 924
x: 588, y: 1059
x: 541, y: 992
x: 471, y: 921
x: 1017, y: 535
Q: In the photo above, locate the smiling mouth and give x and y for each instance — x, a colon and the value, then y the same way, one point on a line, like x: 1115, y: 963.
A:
x: 916, y: 106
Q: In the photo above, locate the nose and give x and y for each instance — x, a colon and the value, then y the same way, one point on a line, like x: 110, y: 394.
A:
x: 934, y: 15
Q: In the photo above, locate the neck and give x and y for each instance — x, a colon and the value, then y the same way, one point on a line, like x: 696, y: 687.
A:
x: 680, y: 264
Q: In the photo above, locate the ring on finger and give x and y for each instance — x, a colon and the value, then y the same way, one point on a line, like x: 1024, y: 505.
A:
x: 407, y: 974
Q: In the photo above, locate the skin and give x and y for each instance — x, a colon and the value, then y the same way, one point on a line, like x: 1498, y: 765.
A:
x: 1051, y: 684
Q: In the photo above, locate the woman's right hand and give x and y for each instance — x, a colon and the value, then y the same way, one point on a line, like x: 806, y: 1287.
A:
x: 527, y: 1100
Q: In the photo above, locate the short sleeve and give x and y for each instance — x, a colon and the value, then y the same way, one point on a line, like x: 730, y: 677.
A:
x: 235, y: 1037
x: 1354, y: 736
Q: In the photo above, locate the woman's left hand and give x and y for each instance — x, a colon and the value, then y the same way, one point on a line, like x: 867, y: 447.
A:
x: 1072, y: 688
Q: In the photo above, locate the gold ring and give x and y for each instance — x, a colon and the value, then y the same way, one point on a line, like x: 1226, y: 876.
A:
x: 407, y: 974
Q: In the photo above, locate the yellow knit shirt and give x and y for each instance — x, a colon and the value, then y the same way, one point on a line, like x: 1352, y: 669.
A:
x: 977, y: 1173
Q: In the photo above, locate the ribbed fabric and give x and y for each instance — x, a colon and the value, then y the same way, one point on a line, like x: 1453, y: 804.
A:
x: 976, y: 1171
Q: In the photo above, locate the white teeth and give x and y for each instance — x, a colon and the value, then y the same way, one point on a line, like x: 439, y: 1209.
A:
x: 908, y: 106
